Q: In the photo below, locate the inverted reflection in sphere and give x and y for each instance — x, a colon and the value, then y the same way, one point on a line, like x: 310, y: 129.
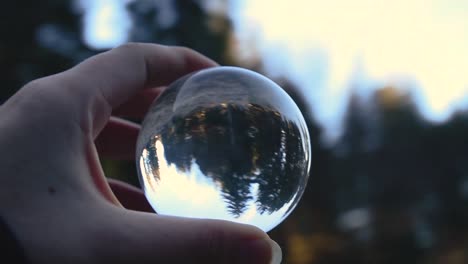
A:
x: 224, y: 143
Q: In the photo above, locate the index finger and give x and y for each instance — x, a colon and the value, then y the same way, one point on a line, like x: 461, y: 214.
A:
x: 120, y: 72
x: 113, y: 77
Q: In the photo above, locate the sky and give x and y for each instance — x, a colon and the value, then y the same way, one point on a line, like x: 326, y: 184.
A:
x: 328, y: 47
x: 106, y: 22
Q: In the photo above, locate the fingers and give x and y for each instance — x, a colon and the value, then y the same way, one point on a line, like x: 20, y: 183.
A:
x: 92, y: 89
x: 118, y: 139
x: 105, y: 81
x: 129, y: 196
x: 119, y: 73
x: 162, y: 239
x: 139, y: 104
x: 87, y: 93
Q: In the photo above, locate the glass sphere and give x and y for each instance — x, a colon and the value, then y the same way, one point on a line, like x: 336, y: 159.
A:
x: 224, y: 143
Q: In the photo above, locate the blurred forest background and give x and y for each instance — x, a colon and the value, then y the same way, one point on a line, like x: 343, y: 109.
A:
x: 393, y: 189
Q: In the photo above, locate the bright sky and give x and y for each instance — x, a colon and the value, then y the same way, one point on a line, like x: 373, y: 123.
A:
x: 327, y: 45
x: 193, y: 194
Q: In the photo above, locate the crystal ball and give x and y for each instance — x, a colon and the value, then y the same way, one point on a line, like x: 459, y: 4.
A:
x: 224, y: 143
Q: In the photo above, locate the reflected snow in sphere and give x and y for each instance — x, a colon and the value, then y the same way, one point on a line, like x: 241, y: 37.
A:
x: 224, y: 143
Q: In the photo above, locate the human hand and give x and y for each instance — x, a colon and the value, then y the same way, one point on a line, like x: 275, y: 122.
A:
x: 53, y: 193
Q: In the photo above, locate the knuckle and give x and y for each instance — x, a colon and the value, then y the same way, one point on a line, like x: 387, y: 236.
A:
x: 129, y: 47
x: 34, y: 84
x: 33, y: 95
x: 184, y: 50
x: 39, y: 102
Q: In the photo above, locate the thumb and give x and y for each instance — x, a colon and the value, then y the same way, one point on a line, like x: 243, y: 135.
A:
x: 150, y: 238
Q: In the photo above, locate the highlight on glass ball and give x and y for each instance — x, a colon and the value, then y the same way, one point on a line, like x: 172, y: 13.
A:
x: 224, y: 143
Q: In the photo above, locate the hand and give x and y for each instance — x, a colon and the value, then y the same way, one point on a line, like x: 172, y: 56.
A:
x: 53, y: 192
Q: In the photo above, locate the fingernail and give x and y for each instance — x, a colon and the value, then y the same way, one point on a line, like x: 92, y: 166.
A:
x: 261, y: 251
x: 276, y: 253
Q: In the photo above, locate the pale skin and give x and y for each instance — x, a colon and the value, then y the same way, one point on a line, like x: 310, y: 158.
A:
x: 53, y: 192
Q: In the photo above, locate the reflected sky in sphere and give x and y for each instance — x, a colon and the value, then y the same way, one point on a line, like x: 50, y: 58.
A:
x: 224, y: 143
